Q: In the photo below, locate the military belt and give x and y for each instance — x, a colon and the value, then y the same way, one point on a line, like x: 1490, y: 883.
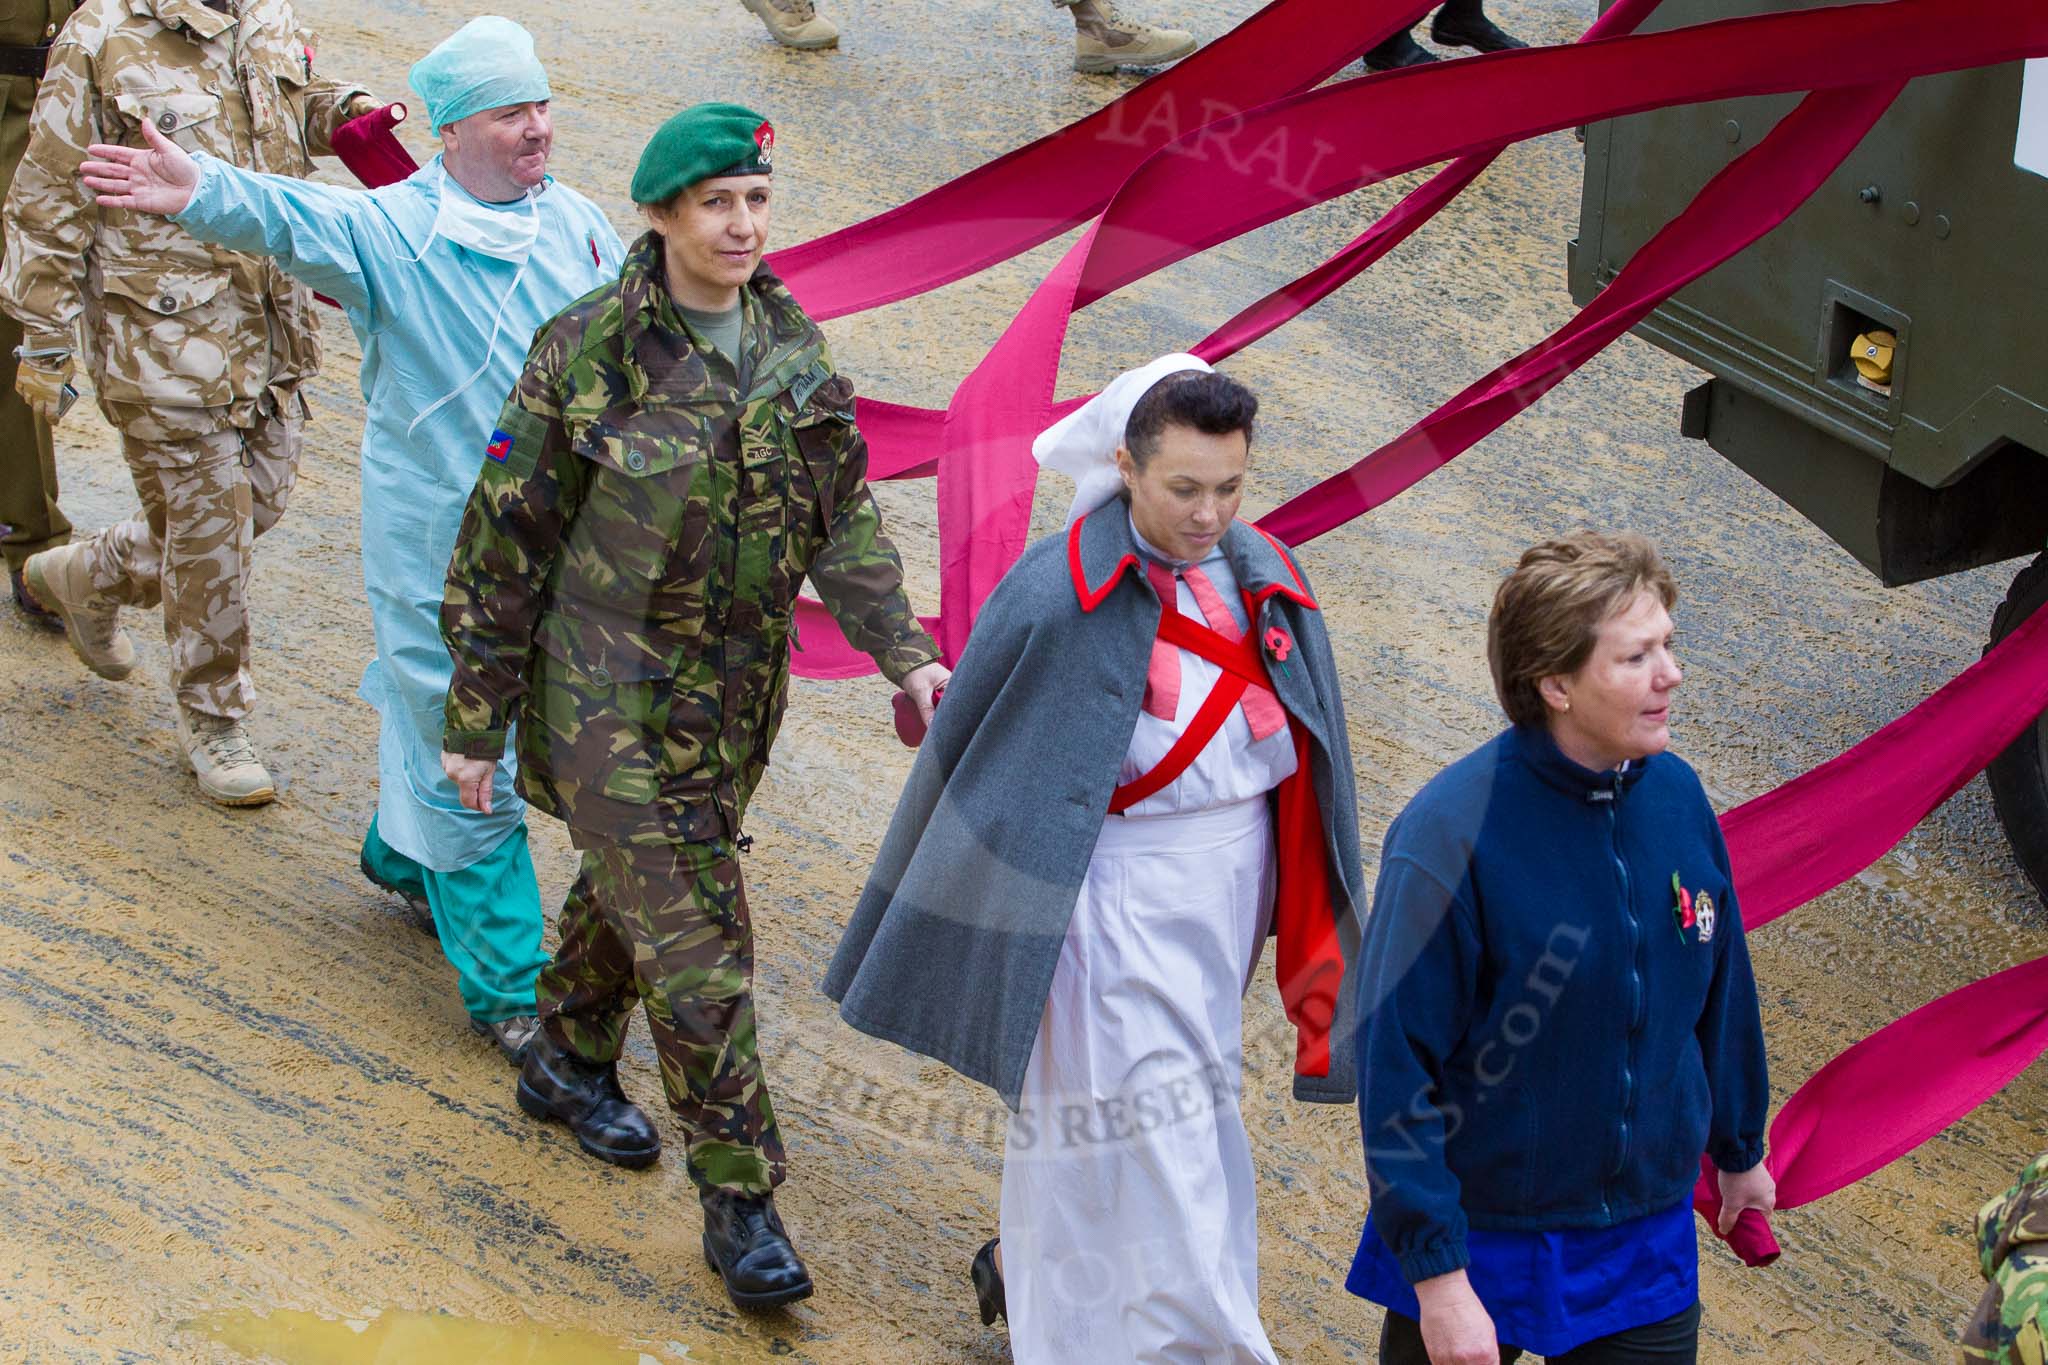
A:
x: 24, y: 61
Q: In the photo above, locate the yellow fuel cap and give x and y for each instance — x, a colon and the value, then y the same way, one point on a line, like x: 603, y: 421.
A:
x: 1873, y: 351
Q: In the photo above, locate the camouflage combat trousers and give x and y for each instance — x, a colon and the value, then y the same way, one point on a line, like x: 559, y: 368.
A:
x: 2010, y: 1326
x: 665, y: 925
x: 204, y: 500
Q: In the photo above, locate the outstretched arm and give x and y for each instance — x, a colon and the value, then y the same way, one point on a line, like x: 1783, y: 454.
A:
x: 158, y: 178
x: 326, y: 236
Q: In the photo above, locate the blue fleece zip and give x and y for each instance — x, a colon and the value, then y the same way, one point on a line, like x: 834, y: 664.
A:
x: 1544, y: 1042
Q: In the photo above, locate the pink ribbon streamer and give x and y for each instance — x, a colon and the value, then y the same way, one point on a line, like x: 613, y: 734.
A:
x: 1216, y: 183
x: 1818, y: 830
x: 1814, y: 833
x: 373, y: 154
x: 1035, y: 193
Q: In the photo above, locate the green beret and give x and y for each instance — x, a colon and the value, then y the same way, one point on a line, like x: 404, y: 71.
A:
x: 703, y: 141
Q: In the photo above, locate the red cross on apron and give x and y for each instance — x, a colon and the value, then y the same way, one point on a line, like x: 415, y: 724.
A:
x: 1244, y: 667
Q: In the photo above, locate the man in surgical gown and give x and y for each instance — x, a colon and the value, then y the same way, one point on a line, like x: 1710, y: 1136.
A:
x: 445, y: 276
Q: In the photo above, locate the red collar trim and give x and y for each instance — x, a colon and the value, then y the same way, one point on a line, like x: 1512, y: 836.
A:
x: 1297, y: 594
x: 1091, y: 598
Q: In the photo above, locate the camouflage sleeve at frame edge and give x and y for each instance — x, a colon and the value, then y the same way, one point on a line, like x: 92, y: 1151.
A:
x: 2012, y: 1253
x: 50, y: 217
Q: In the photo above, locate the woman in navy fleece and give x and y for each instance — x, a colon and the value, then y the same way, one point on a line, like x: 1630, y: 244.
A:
x: 1557, y: 1012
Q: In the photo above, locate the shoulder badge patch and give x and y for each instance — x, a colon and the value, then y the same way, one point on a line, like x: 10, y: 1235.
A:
x: 809, y: 382
x: 516, y: 442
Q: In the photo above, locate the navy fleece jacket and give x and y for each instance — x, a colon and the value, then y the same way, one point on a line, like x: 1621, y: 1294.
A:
x: 1544, y: 1043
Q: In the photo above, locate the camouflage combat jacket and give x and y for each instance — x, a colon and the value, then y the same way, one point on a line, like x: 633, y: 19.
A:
x: 624, y: 579
x: 2012, y: 1251
x: 180, y: 338
x: 24, y: 24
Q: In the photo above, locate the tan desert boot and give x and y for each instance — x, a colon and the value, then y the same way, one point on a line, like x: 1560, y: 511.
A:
x: 91, y: 622
x: 225, y: 761
x: 1105, y: 40
x: 795, y: 23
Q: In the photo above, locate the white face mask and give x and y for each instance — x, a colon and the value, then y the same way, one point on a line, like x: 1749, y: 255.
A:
x: 499, y: 233
x: 506, y: 234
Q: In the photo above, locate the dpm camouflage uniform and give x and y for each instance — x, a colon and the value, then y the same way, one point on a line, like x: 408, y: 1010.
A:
x: 30, y: 520
x: 196, y: 353
x: 2012, y: 1251
x: 623, y: 586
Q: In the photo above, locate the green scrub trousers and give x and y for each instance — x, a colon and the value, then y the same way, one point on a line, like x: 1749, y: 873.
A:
x: 488, y: 915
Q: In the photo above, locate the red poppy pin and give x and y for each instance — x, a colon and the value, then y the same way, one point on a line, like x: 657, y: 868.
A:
x: 1682, y: 909
x: 1279, y: 645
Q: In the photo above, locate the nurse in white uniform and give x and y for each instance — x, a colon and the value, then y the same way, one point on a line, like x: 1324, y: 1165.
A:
x: 1129, y: 1225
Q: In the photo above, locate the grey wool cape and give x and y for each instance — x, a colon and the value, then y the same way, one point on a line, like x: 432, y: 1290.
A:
x: 952, y: 946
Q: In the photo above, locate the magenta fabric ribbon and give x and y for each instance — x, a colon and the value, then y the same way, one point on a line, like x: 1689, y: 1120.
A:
x: 1814, y: 833
x: 1033, y: 194
x: 373, y: 154
x: 1213, y: 184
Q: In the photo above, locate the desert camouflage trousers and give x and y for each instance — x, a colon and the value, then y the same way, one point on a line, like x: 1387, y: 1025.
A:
x: 204, y: 501
x: 665, y: 925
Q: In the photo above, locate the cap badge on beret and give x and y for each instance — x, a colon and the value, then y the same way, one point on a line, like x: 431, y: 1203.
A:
x: 702, y: 142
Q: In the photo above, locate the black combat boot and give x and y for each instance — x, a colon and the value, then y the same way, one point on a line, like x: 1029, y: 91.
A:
x: 554, y: 1083
x: 1463, y: 24
x: 1398, y: 51
x: 744, y: 1242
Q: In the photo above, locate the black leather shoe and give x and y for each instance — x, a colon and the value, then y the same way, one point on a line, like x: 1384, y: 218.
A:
x: 1477, y: 32
x: 988, y: 1284
x: 744, y: 1242
x: 1398, y: 51
x: 36, y: 612
x: 554, y: 1083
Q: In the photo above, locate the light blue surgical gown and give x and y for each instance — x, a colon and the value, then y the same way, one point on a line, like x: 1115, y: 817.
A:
x: 423, y: 313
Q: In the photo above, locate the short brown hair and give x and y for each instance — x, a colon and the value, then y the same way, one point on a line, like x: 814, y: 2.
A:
x: 1201, y: 400
x: 1547, y: 613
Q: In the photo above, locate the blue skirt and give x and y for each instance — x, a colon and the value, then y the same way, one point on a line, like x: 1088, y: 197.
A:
x: 1549, y: 1292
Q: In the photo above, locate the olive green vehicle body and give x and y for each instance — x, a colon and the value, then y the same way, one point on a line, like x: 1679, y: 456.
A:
x: 1928, y: 229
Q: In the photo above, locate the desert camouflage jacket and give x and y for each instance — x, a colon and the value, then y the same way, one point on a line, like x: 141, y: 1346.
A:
x: 624, y: 579
x: 180, y: 338
x: 2012, y: 1251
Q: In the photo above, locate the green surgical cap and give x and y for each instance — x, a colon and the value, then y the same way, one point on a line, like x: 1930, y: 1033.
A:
x: 486, y: 63
x: 703, y: 141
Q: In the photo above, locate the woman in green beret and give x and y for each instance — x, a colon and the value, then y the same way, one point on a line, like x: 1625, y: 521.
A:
x: 676, y: 457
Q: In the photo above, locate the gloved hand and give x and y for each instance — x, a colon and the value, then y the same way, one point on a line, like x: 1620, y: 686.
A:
x: 360, y: 105
x: 40, y: 382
